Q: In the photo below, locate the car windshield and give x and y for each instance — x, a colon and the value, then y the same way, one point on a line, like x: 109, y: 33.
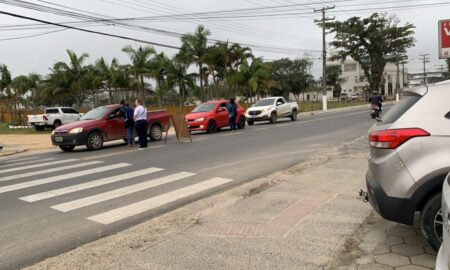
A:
x: 265, y: 102
x: 205, y: 107
x: 94, y: 114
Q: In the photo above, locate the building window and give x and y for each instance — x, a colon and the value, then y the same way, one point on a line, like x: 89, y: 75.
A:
x: 349, y: 67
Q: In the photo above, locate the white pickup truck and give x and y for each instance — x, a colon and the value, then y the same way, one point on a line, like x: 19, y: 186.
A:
x: 53, y: 118
x: 270, y: 109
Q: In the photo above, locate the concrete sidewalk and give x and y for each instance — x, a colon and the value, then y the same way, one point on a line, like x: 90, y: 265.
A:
x: 298, y: 218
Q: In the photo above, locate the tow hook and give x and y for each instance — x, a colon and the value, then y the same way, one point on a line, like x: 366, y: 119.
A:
x: 363, y: 195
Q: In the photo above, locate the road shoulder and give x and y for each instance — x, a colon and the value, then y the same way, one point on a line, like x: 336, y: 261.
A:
x: 298, y: 218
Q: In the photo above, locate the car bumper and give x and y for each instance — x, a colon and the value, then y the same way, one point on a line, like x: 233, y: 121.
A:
x: 197, y: 126
x: 443, y: 258
x: 68, y: 139
x: 39, y: 124
x: 391, y: 208
x: 259, y: 117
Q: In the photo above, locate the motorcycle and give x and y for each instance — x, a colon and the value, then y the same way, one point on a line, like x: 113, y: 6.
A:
x: 375, y: 111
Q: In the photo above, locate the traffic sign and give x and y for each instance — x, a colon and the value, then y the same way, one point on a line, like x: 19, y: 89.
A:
x: 444, y: 39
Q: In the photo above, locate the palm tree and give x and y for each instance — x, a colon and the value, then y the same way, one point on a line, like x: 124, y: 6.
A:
x: 106, y: 72
x: 74, y: 71
x: 20, y: 86
x: 160, y: 66
x: 196, y: 45
x: 34, y: 82
x: 140, y: 64
x: 5, y: 78
x: 178, y: 76
x: 93, y: 80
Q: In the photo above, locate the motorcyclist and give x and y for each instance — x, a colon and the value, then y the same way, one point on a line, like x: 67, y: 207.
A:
x: 376, y: 100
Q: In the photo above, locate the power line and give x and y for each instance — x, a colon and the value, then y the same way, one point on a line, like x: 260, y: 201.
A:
x: 89, y: 31
x: 33, y: 35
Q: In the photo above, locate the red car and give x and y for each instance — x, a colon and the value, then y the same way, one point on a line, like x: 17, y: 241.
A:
x: 104, y: 124
x: 212, y: 116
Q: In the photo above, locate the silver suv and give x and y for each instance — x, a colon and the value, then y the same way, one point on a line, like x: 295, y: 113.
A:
x: 410, y: 158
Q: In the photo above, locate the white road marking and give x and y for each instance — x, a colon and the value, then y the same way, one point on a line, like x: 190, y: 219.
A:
x: 83, y: 202
x: 68, y: 167
x: 3, y: 161
x: 61, y: 177
x: 87, y: 185
x: 39, y: 164
x: 155, y: 202
x: 26, y: 162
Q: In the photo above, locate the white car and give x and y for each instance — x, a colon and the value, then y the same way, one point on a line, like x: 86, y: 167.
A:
x: 443, y: 258
x: 53, y: 118
x: 270, y: 109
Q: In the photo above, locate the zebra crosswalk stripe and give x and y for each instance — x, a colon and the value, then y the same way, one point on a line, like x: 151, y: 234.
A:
x: 83, y: 202
x: 155, y: 202
x: 37, y: 165
x: 57, y: 169
x: 61, y: 177
x: 4, y: 160
x: 12, y: 164
x: 88, y: 185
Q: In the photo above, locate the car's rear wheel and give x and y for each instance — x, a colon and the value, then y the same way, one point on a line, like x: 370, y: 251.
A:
x: 56, y: 124
x: 95, y: 141
x: 294, y: 115
x: 156, y: 133
x: 241, y: 123
x: 212, y: 127
x: 273, y: 118
x: 250, y: 122
x: 431, y: 221
x: 67, y: 148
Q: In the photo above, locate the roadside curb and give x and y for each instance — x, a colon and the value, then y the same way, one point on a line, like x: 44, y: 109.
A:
x: 14, y: 152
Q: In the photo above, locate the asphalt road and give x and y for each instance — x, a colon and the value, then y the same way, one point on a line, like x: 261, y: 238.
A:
x: 53, y: 202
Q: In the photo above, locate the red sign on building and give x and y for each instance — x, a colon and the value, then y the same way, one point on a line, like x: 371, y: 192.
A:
x: 444, y: 39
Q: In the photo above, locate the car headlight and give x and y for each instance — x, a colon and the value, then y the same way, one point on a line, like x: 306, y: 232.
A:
x: 201, y: 119
x: 76, y: 130
x: 267, y: 109
x: 53, y: 132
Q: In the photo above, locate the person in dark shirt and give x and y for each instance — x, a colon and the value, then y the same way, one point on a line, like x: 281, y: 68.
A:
x: 376, y: 100
x: 232, y: 113
x: 127, y: 114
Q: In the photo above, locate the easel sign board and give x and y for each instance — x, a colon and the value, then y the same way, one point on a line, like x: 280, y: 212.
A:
x: 444, y: 39
x: 181, y: 129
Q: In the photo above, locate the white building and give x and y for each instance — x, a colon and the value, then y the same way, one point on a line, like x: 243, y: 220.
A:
x: 354, y: 80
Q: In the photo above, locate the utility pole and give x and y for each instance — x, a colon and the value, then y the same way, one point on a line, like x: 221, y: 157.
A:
x: 441, y: 67
x: 397, y: 79
x: 324, y: 52
x: 425, y: 59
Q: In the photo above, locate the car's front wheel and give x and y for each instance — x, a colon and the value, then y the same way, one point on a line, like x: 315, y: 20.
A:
x: 294, y: 115
x: 431, y: 221
x: 67, y: 148
x: 212, y: 127
x: 250, y: 122
x: 95, y: 141
x: 273, y: 118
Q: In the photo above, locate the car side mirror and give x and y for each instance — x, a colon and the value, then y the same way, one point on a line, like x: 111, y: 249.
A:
x: 279, y: 103
x: 220, y: 109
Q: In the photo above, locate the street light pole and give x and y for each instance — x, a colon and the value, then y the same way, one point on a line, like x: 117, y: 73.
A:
x: 324, y: 53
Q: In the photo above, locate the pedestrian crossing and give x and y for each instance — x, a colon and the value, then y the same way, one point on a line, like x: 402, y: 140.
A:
x: 35, y: 179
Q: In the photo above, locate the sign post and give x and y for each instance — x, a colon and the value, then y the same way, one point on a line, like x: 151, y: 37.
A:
x: 444, y: 39
x: 179, y: 124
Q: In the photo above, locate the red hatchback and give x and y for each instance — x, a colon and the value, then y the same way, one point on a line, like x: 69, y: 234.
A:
x: 213, y: 115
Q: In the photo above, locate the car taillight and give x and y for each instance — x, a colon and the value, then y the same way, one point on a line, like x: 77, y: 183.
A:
x: 393, y: 138
x: 45, y: 117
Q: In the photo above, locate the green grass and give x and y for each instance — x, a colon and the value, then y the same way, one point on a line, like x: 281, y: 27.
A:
x: 4, y: 129
x: 317, y: 106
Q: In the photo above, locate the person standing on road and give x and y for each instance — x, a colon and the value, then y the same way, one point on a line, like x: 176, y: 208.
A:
x: 232, y: 113
x: 140, y: 120
x: 128, y: 115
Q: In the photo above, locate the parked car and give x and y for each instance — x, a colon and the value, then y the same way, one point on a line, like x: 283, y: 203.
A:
x: 53, y: 118
x: 270, y: 109
x: 410, y: 158
x: 104, y: 124
x: 212, y: 116
x: 443, y: 257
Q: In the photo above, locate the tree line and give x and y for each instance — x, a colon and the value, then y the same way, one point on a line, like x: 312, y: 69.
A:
x: 198, y: 71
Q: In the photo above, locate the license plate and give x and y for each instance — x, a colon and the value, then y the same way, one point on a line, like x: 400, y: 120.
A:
x: 59, y: 139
